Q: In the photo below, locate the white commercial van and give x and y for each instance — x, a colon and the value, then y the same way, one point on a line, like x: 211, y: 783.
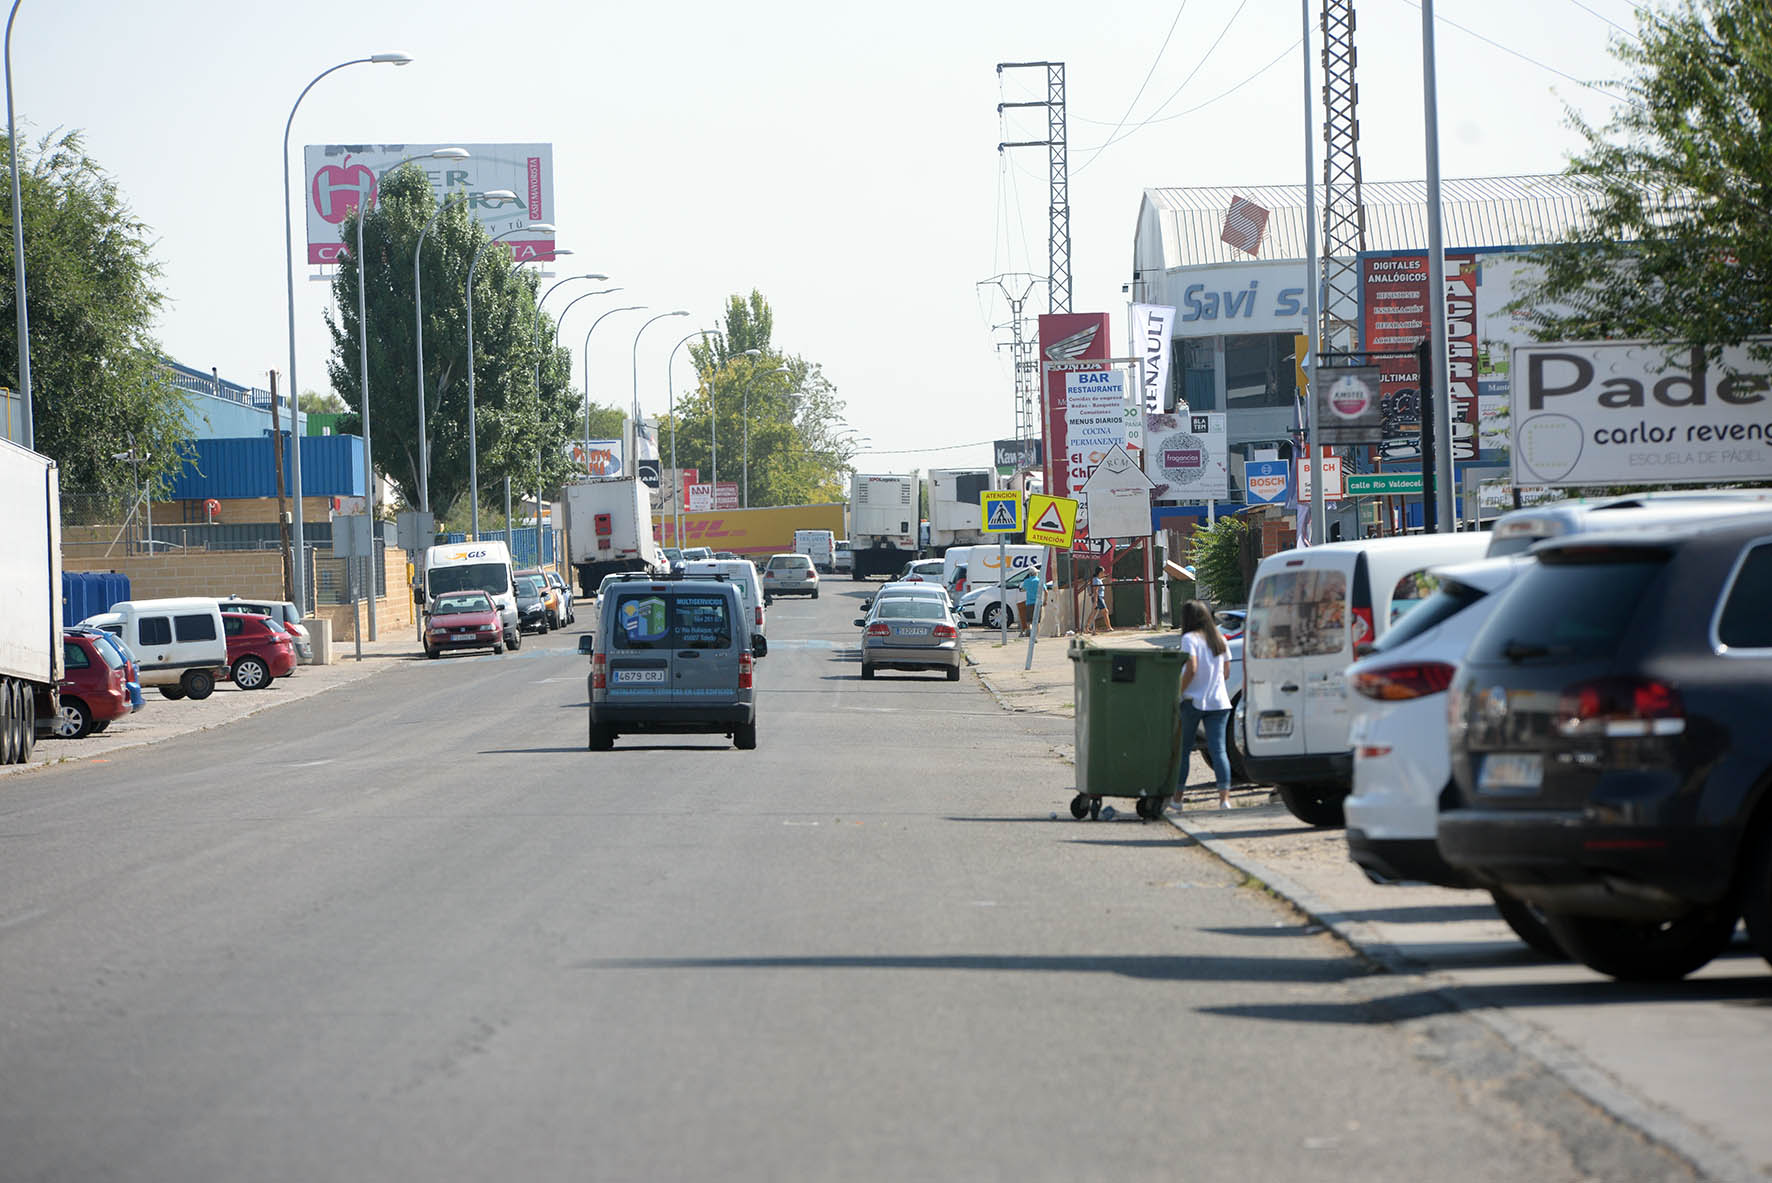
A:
x: 1309, y: 611
x: 178, y: 644
x: 818, y: 545
x: 474, y: 566
x: 742, y: 574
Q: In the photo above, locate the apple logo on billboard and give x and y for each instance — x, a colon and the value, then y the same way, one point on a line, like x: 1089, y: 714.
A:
x: 338, y: 188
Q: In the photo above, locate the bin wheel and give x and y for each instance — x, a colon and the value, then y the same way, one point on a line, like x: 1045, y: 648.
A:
x: 1079, y: 806
x: 1094, y: 808
x: 1151, y: 808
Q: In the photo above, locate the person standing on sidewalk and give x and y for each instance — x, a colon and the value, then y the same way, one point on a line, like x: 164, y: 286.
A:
x: 1204, y: 698
x: 1030, y: 600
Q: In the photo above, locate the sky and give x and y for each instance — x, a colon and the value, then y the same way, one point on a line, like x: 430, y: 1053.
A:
x: 843, y: 160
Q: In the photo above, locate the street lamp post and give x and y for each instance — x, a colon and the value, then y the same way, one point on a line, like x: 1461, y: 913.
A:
x: 635, y: 458
x: 418, y: 312
x: 587, y: 357
x: 29, y: 423
x: 676, y: 478
x: 473, y: 438
x: 363, y: 203
x: 542, y: 299
x: 388, y: 59
x: 745, y: 412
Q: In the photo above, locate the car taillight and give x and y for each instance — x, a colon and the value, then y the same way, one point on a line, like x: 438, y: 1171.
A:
x: 746, y: 663
x: 599, y: 671
x: 759, y: 611
x: 945, y: 632
x: 879, y: 629
x: 1392, y: 683
x: 1363, y: 627
x: 768, y: 575
x: 1620, y: 708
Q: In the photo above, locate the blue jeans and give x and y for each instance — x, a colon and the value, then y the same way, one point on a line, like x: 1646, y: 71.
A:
x: 1216, y: 722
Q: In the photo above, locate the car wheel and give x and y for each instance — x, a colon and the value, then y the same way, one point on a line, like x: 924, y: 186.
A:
x: 75, y: 721
x: 432, y: 652
x: 744, y: 737
x: 867, y: 671
x: 198, y: 684
x: 251, y: 674
x: 1645, y: 950
x: 1233, y: 750
x: 953, y: 673
x: 498, y: 649
x: 602, y: 737
x: 27, y: 736
x: 173, y: 692
x: 515, y: 643
x: 1315, y: 805
x: 99, y: 727
x: 1756, y: 896
x: 993, y: 615
x: 854, y: 576
x: 815, y: 593
x: 1527, y: 921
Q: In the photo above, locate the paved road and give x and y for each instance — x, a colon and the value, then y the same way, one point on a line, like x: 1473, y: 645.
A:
x: 410, y: 928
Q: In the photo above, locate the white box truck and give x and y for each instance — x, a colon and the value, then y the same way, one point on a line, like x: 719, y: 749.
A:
x: 818, y: 545
x: 30, y: 597
x: 882, y: 523
x: 954, y: 515
x: 609, y: 529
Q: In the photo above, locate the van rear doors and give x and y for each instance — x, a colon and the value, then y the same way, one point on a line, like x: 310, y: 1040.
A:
x: 638, y: 647
x: 1298, y: 640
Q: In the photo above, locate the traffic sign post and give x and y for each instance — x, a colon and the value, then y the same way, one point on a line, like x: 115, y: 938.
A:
x: 1052, y: 521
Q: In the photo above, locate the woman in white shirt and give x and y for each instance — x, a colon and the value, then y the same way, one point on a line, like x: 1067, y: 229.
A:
x: 1204, y: 699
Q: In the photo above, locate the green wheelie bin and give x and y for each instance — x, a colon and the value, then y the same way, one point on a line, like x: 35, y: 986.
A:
x: 1128, y: 725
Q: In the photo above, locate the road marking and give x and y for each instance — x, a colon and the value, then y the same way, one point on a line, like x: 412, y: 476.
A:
x: 307, y: 763
x: 799, y: 823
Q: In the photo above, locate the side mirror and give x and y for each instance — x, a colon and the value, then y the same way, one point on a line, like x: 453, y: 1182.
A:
x: 759, y: 646
x: 859, y: 621
x: 867, y: 602
x: 586, y: 643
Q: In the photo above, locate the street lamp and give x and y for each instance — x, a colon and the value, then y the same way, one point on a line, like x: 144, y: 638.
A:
x: 676, y: 473
x: 635, y: 459
x: 18, y: 247
x: 363, y: 202
x: 473, y: 438
x: 418, y: 312
x: 380, y: 59
x: 543, y: 299
x: 587, y: 357
x: 746, y: 412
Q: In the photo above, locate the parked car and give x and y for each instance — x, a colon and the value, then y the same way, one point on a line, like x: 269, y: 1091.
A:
x: 725, y: 554
x: 672, y: 655
x: 983, y: 605
x: 1402, y: 768
x: 132, y: 683
x: 1230, y: 621
x: 91, y: 688
x: 842, y: 558
x: 1609, y: 745
x: 672, y: 555
x: 552, y: 603
x: 789, y: 575
x: 1514, y: 532
x: 910, y: 632
x: 742, y: 573
x: 697, y: 554
x: 259, y: 650
x: 1309, y: 609
x: 281, y: 611
x: 921, y: 571
x: 533, y: 615
x: 563, y: 588
x: 926, y: 591
x: 463, y: 620
x: 178, y: 642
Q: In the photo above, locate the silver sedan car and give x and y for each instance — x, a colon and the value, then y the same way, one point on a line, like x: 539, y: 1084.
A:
x: 910, y: 633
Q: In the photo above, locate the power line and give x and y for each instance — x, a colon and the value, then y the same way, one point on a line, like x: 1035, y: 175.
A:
x: 1223, y: 94
x: 1602, y: 16
x: 1525, y: 58
x: 1147, y: 81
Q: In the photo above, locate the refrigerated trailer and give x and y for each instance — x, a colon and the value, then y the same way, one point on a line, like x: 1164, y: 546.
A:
x: 882, y: 523
x: 30, y: 597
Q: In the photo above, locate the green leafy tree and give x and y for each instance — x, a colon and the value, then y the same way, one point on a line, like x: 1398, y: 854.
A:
x: 98, y: 386
x: 515, y: 419
x: 1679, y: 245
x: 1216, y: 552
x: 312, y: 402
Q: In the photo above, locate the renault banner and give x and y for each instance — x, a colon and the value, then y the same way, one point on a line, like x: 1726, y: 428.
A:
x: 1151, y: 324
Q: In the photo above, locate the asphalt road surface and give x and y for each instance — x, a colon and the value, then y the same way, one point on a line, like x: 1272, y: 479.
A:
x: 410, y: 928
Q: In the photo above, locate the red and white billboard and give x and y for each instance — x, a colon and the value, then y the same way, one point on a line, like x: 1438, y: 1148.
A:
x: 1067, y: 337
x: 336, y: 178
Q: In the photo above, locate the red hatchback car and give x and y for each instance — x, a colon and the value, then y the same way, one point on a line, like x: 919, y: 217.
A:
x: 259, y: 650
x: 463, y: 620
x: 91, y: 689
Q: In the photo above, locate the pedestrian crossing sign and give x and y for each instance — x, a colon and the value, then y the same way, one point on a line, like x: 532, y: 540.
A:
x: 1052, y: 521
x: 1001, y: 512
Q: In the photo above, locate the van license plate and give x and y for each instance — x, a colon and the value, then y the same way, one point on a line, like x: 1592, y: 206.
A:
x: 1511, y: 772
x: 634, y: 676
x: 1273, y: 725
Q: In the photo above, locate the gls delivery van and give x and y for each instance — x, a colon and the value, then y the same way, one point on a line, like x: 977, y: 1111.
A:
x: 1309, y: 610
x: 474, y: 566
x: 977, y: 565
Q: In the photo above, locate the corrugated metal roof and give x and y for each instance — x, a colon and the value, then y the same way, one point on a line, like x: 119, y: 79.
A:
x: 332, y: 466
x: 1476, y: 212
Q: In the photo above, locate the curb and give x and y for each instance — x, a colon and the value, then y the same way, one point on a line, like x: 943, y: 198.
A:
x: 1684, y: 1138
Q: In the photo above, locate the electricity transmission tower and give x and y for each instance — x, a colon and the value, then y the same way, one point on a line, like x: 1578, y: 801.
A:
x: 1344, y: 216
x: 1058, y: 225
x: 1016, y: 287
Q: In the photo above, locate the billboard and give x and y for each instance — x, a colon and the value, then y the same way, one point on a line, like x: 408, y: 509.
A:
x: 337, y: 177
x: 598, y: 458
x: 1066, y: 337
x: 1631, y: 413
x: 1186, y: 456
x: 1348, y: 409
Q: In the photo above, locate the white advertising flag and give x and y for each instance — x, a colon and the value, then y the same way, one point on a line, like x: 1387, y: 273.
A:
x: 1151, y: 324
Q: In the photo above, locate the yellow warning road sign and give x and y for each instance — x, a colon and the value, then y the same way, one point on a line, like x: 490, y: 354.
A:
x: 1001, y: 512
x: 1052, y: 521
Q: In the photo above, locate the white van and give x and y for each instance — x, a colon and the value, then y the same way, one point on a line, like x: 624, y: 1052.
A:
x: 1309, y: 611
x: 178, y: 643
x: 474, y: 566
x: 818, y: 545
x: 742, y: 574
x: 982, y: 562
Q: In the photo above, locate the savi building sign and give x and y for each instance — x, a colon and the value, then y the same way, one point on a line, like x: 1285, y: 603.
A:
x: 1630, y: 413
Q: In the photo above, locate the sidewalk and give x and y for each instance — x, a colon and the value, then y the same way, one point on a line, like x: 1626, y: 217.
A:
x: 161, y: 718
x: 1678, y: 1062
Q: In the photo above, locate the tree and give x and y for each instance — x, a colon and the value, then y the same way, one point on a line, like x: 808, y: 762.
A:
x: 797, y: 452
x: 1216, y: 551
x: 512, y: 423
x: 98, y: 386
x: 1678, y: 248
x: 312, y: 402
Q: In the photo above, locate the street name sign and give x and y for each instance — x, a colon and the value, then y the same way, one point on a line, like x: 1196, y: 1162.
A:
x: 1369, y: 484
